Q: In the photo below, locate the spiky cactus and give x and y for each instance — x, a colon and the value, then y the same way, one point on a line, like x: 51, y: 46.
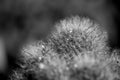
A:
x: 76, y: 50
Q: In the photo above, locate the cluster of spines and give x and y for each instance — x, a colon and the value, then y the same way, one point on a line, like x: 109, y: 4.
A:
x: 77, y: 49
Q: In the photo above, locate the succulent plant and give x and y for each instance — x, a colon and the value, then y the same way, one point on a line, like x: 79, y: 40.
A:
x: 76, y: 50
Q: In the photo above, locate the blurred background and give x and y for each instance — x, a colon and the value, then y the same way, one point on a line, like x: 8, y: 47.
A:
x: 22, y: 21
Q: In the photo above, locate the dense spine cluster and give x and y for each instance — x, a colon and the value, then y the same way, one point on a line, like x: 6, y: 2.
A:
x: 75, y: 50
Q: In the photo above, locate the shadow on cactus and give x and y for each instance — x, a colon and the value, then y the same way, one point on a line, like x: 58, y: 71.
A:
x: 77, y: 49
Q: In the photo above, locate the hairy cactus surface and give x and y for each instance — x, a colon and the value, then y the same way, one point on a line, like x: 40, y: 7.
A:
x: 77, y: 49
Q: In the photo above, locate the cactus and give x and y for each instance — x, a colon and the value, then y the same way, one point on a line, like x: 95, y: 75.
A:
x: 75, y: 50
